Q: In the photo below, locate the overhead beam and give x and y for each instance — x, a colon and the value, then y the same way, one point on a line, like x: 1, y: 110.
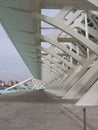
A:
x: 54, y: 68
x: 62, y: 26
x: 55, y: 43
x: 64, y: 39
x: 59, y: 4
x: 55, y: 62
x: 58, y: 57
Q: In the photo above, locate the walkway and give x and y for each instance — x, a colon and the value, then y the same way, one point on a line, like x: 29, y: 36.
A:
x: 39, y: 110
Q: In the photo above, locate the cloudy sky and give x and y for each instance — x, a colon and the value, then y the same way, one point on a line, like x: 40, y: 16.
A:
x: 11, y: 65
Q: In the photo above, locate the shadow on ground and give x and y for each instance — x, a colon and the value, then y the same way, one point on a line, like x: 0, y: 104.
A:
x: 37, y: 96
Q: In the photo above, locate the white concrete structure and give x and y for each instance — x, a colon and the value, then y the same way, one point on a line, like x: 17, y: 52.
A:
x: 68, y: 66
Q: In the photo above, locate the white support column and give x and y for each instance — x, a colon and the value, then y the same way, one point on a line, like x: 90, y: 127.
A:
x: 71, y: 59
x: 86, y: 32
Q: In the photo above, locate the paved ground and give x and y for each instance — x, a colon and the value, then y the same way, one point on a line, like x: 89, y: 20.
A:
x: 39, y: 110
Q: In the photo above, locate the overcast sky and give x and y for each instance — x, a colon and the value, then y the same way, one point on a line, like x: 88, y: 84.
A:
x: 11, y: 65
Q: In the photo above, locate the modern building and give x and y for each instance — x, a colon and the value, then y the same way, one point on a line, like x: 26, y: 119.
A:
x: 58, y: 41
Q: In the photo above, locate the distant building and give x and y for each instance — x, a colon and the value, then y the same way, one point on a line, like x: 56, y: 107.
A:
x: 16, y: 82
x: 10, y: 83
x: 2, y: 83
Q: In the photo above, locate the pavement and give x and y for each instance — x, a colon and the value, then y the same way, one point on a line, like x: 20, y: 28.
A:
x: 39, y: 110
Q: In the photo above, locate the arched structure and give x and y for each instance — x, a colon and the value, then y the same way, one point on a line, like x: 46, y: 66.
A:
x: 69, y: 64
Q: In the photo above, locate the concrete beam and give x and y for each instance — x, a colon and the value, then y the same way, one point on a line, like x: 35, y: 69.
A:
x: 62, y: 26
x: 90, y: 98
x: 83, y: 83
x: 55, y: 43
x: 58, y: 57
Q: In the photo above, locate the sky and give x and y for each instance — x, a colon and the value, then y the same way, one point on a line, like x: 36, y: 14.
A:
x: 12, y: 66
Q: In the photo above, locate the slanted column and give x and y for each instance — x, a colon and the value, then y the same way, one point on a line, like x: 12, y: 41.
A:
x: 86, y: 32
